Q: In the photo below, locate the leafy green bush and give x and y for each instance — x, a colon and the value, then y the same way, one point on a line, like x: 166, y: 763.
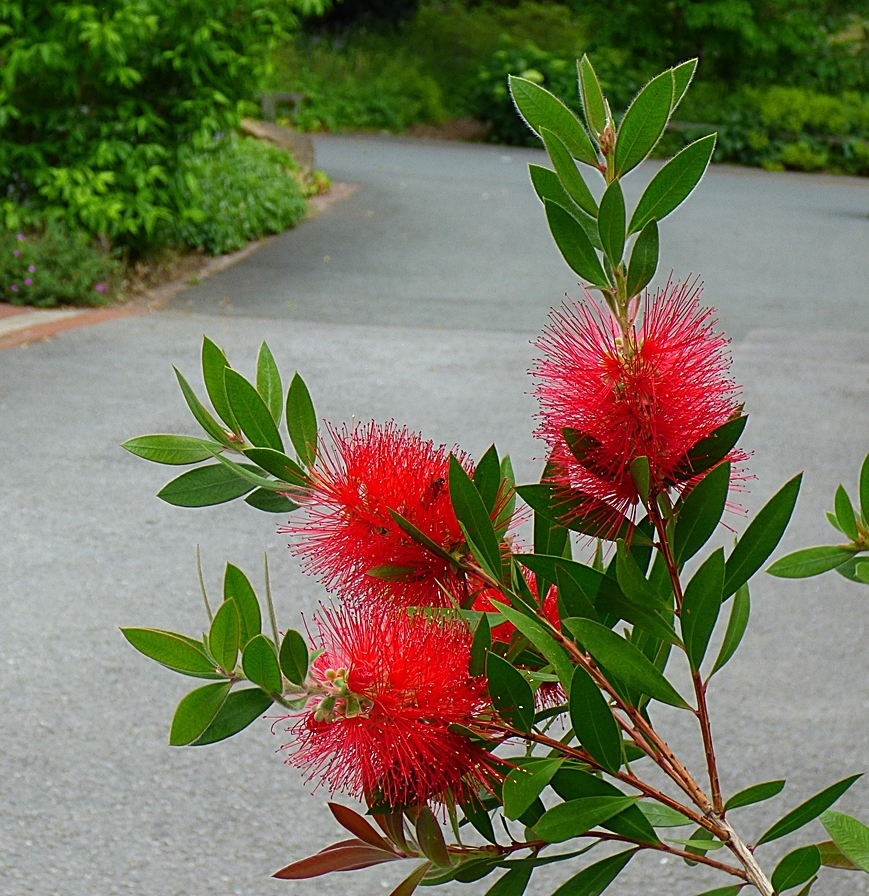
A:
x: 55, y: 267
x: 235, y: 192
x: 96, y: 100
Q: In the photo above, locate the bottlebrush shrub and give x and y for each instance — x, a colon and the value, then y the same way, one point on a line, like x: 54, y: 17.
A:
x: 55, y: 267
x: 434, y: 678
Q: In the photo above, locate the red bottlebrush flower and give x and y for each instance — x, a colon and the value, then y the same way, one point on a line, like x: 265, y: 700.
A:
x: 392, y: 685
x: 349, y: 531
x: 655, y: 392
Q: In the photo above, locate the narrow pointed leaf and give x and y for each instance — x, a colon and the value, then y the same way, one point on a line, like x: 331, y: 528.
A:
x: 625, y: 661
x: 420, y: 537
x: 480, y: 647
x: 845, y: 514
x: 576, y: 817
x: 682, y: 77
x: 850, y: 836
x: 661, y: 816
x: 224, y: 636
x: 174, y: 651
x: 487, y: 478
x: 709, y: 452
x: 513, y: 883
x: 337, y: 858
x: 357, y: 825
x: 644, y: 259
x: 732, y: 890
x: 807, y: 811
x: 632, y: 581
x: 431, y: 838
x: 471, y: 512
x: 214, y: 364
x: 574, y: 245
x: 510, y: 692
x: 261, y: 665
x: 673, y: 183
x: 833, y: 857
x: 251, y: 411
x: 541, y: 109
x: 547, y: 185
x: 239, y: 710
x: 701, y: 513
x: 593, y: 721
x: 701, y: 606
x: 196, y: 712
x: 278, y: 464
x: 302, y: 421
x: 535, y: 631
x: 573, y: 600
x: 757, y: 793
x: 810, y: 562
x: 236, y: 585
x: 268, y: 383
x: 611, y: 223
x: 294, y: 657
x: 736, y: 626
x: 569, y: 175
x: 594, y: 879
x: 864, y: 489
x: 524, y: 784
x: 796, y: 868
x: 593, y: 105
x: 761, y: 537
x: 201, y: 415
x: 480, y: 820
x: 270, y: 501
x: 408, y: 886
x: 644, y: 123
x: 169, y: 449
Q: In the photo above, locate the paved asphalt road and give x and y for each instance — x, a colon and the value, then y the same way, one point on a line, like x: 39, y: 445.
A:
x: 414, y: 299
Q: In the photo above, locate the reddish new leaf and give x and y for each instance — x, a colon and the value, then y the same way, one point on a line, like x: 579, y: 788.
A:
x: 348, y: 856
x: 357, y: 825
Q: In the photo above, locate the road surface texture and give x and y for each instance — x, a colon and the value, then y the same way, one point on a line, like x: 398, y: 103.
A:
x: 415, y: 299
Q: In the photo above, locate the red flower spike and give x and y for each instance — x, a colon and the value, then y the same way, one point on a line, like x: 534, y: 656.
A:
x: 655, y: 393
x: 349, y: 532
x: 393, y: 684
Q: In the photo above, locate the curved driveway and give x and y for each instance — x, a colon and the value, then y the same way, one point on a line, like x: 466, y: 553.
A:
x: 414, y: 299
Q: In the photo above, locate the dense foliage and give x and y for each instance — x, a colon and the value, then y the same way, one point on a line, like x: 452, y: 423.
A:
x: 97, y: 100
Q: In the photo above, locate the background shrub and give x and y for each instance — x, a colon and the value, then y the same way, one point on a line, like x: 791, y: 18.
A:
x: 237, y: 191
x: 55, y: 267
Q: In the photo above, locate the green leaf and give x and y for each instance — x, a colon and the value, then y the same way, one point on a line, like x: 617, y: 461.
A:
x: 270, y: 501
x: 625, y: 661
x: 700, y: 607
x: 810, y: 562
x: 214, y: 364
x: 673, y: 183
x: 224, y: 637
x: 536, y: 633
x: 513, y: 883
x: 479, y: 819
x: 237, y: 712
x: 268, y: 382
x: 593, y: 103
x: 168, y: 449
x: 480, y: 646
x: 736, y: 626
x: 845, y: 514
x: 510, y: 692
x: 593, y: 721
x: 524, y: 784
x: 594, y: 879
x: 201, y: 415
x: 757, y: 793
x: 176, y: 652
x: 294, y: 657
x: 833, y: 857
x: 568, y: 174
x: 644, y: 259
x: 701, y: 512
x: 643, y: 123
x: 431, y: 838
x: 408, y: 886
x: 796, y: 868
x: 850, y: 836
x: 249, y: 474
x: 807, y: 811
x: 576, y: 817
x: 472, y: 514
x: 278, y: 464
x: 709, y: 452
x: 541, y: 109
x: 611, y: 223
x: 251, y: 411
x: 573, y: 244
x: 487, y: 478
x: 261, y: 665
x: 572, y: 597
x: 632, y: 581
x: 236, y: 585
x: 761, y: 537
x: 661, y: 816
x: 682, y: 76
x: 196, y: 712
x: 864, y: 489
x: 420, y: 537
x: 547, y: 185
x: 302, y: 421
x: 732, y: 890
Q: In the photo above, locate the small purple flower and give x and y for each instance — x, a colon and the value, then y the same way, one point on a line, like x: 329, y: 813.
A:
x: 100, y: 287
x: 16, y: 253
x: 28, y: 282
x: 21, y: 236
x: 14, y: 287
x: 31, y: 268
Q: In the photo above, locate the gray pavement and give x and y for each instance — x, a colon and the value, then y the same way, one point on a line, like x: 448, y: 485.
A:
x: 424, y: 313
